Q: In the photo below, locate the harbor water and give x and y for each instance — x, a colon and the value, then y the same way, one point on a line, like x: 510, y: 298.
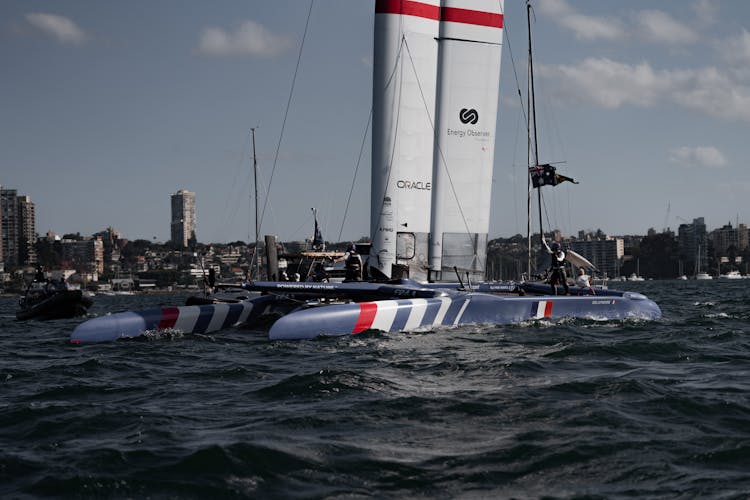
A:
x: 577, y: 409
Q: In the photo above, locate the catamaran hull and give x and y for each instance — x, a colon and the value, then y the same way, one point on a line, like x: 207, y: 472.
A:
x: 307, y: 311
x: 186, y: 319
x: 462, y: 309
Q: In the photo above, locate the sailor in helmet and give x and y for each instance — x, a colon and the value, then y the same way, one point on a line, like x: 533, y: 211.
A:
x: 352, y: 263
x: 557, y: 266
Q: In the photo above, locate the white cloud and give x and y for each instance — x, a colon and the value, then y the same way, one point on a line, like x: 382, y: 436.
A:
x: 658, y: 26
x: 58, y: 27
x: 736, y: 50
x: 705, y: 11
x: 584, y: 27
x: 712, y: 92
x: 606, y: 83
x: 250, y: 38
x: 702, y: 156
x: 610, y: 84
x: 650, y: 25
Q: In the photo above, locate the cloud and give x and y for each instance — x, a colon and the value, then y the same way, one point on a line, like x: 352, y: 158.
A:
x: 705, y: 11
x: 650, y: 25
x: 606, y: 83
x: 58, y: 27
x: 702, y: 156
x: 610, y: 84
x: 584, y: 27
x: 736, y: 50
x: 660, y: 27
x: 250, y: 38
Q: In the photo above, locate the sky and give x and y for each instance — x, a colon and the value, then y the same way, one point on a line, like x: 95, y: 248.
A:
x: 108, y: 108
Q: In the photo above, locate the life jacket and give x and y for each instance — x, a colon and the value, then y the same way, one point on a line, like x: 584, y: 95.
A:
x: 558, y: 263
x: 353, y: 263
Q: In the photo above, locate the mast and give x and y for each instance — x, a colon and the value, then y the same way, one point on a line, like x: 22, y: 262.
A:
x: 531, y: 127
x: 469, y: 54
x: 256, y: 260
x: 533, y: 112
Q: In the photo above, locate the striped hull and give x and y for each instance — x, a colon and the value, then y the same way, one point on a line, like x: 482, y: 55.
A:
x: 454, y: 310
x: 188, y: 319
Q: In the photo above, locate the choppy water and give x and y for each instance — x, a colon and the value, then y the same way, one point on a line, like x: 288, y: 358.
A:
x: 574, y: 410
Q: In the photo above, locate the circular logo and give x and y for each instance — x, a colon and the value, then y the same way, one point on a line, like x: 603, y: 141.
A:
x: 469, y: 116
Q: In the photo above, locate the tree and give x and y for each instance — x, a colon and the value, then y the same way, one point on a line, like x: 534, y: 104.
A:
x: 48, y: 253
x: 659, y: 254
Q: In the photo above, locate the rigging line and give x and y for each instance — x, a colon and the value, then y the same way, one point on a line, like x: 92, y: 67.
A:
x: 234, y: 197
x: 440, y: 152
x: 297, y: 231
x: 513, y: 171
x: 356, y: 169
x: 286, y: 113
x: 396, y: 64
x: 513, y: 65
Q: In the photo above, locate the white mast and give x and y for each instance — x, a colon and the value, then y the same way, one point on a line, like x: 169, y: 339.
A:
x: 404, y: 72
x: 432, y: 161
x: 470, y: 48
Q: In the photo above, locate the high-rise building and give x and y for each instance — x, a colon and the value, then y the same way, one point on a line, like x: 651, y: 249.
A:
x: 727, y: 237
x: 26, y: 231
x: 86, y: 254
x: 605, y: 254
x: 692, y: 240
x: 17, y: 229
x: 183, y: 218
x: 10, y: 217
x: 2, y: 261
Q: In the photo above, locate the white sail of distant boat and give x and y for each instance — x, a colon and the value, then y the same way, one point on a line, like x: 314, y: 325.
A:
x: 699, y: 273
x: 435, y: 95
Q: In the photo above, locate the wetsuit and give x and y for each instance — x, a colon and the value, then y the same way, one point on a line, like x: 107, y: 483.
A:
x: 557, y: 265
x: 353, y: 266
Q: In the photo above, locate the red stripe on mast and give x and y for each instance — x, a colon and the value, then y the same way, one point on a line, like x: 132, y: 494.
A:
x: 408, y: 8
x: 367, y: 311
x: 476, y: 17
x: 450, y: 14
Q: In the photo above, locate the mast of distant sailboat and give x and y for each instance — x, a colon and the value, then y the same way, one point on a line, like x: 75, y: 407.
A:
x: 256, y: 260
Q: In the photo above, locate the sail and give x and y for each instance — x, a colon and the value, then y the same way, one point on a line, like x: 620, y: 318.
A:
x: 423, y: 50
x: 471, y: 34
x: 578, y: 260
x: 404, y: 80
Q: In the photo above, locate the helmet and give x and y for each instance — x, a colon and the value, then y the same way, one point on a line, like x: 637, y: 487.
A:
x: 555, y: 245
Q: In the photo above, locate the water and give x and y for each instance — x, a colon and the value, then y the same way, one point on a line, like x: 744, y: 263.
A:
x: 573, y: 410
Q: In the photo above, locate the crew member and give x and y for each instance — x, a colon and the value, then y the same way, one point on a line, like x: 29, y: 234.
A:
x: 352, y: 263
x: 319, y: 273
x: 557, y: 266
x: 583, y: 280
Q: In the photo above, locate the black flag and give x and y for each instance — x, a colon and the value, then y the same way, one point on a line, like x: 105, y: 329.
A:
x: 318, y: 243
x: 546, y: 175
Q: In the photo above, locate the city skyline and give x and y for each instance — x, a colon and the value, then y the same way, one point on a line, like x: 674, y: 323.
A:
x: 184, y: 213
x: 106, y: 113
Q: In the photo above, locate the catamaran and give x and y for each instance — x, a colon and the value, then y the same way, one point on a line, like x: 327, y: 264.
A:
x: 435, y: 97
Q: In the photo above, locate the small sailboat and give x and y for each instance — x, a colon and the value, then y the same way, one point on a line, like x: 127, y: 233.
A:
x: 435, y: 95
x: 699, y: 273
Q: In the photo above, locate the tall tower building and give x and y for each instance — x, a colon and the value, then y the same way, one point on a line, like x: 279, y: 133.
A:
x: 693, y: 243
x: 183, y: 217
x: 9, y: 223
x: 26, y: 230
x: 2, y: 261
